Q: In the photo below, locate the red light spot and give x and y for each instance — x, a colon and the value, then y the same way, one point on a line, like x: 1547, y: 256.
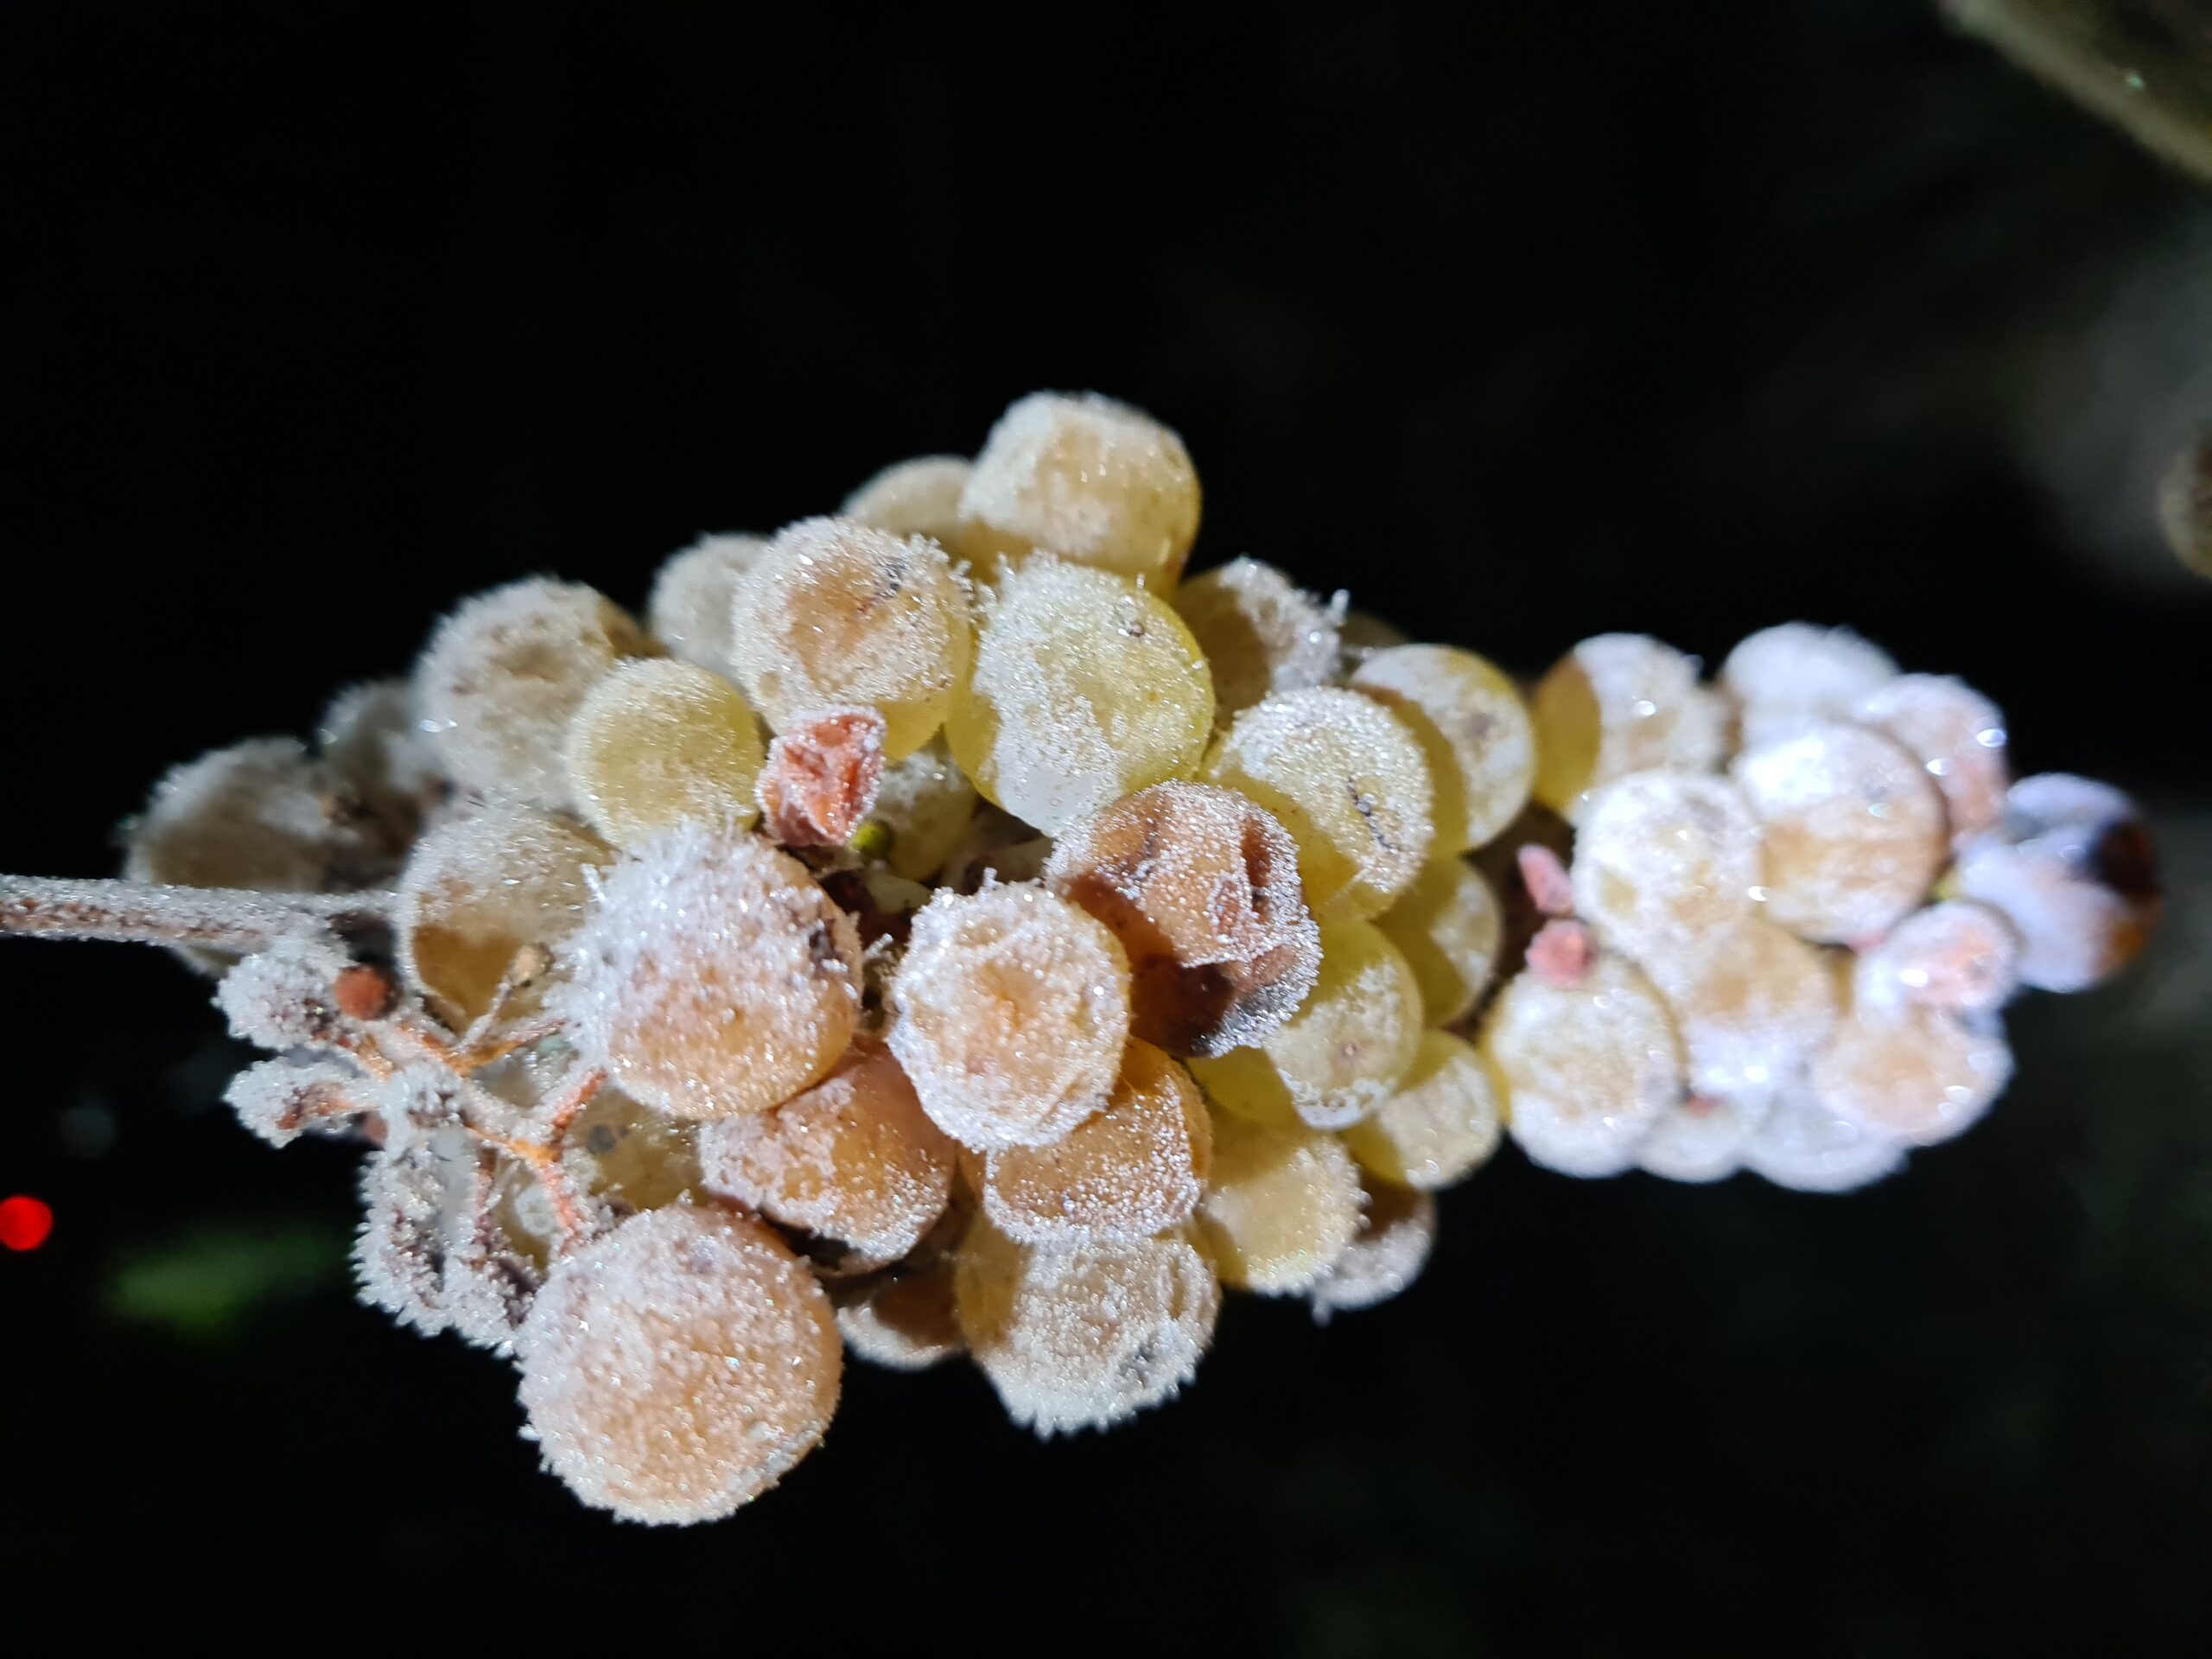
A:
x: 24, y: 1223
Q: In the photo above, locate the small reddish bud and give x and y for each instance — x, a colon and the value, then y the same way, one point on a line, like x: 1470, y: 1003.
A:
x: 362, y: 992
x: 1546, y: 878
x: 1562, y: 953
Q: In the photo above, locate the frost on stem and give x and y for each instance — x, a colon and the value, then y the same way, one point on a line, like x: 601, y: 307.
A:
x: 280, y: 1099
x: 919, y: 497
x: 286, y: 996
x: 432, y: 1251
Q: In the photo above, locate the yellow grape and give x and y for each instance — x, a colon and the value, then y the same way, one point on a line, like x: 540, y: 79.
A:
x: 1663, y: 861
x: 1618, y: 703
x: 1448, y: 927
x: 1473, y: 729
x: 658, y: 741
x: 1260, y: 633
x: 912, y: 497
x: 1397, y: 1229
x: 690, y: 610
x: 1438, y: 1126
x: 1283, y: 1205
x: 1587, y: 1070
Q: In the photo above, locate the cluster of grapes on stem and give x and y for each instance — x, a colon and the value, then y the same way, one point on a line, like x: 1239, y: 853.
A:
x: 941, y: 929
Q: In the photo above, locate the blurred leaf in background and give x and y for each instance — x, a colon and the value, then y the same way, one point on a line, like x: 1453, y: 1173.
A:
x: 202, y: 1284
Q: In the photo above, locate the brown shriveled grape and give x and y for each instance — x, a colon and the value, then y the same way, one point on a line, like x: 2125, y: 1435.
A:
x: 919, y: 497
x: 1011, y: 1009
x: 658, y: 741
x: 1956, y: 733
x: 1397, y: 1229
x: 678, y: 1367
x: 1664, y: 860
x: 1852, y: 831
x: 908, y: 1323
x: 1473, y: 729
x: 1449, y: 926
x: 1283, y: 1205
x: 1135, y: 1169
x: 1087, y: 478
x: 1347, y: 781
x: 690, y: 610
x: 834, y: 615
x: 1916, y: 1074
x: 1085, y: 687
x: 1088, y: 1335
x: 1201, y: 887
x: 477, y: 891
x: 923, y: 807
x: 1261, y: 634
x: 1438, y: 1126
x: 713, y: 977
x: 1618, y: 703
x: 1751, y: 1002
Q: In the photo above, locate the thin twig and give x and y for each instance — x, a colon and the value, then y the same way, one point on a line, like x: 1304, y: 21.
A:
x: 221, y: 918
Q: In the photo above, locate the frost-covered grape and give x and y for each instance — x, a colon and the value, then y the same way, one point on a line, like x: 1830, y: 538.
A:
x: 1201, y: 887
x: 503, y: 675
x: 919, y: 497
x: 2072, y: 869
x: 1011, y: 1011
x: 1852, y: 828
x: 1959, y: 957
x: 2185, y: 506
x: 1438, y: 1126
x: 1347, y: 779
x: 1086, y: 687
x: 1473, y: 729
x: 1587, y: 1070
x: 690, y: 610
x: 1284, y: 1203
x: 923, y: 805
x: 378, y: 759
x: 1618, y: 703
x: 1702, y: 1138
x: 1916, y: 1074
x: 833, y: 613
x: 1088, y: 1335
x: 907, y: 1324
x: 1261, y: 633
x: 853, y: 1159
x: 713, y: 977
x: 1134, y: 1169
x: 1783, y: 679
x: 476, y: 891
x: 1751, y: 1003
x: 678, y: 1367
x: 1663, y: 861
x: 1088, y: 479
x: 634, y: 1157
x: 1350, y: 1043
x: 1804, y: 1146
x: 1955, y: 732
x: 1448, y: 927
x: 1397, y: 1229
x: 249, y: 816
x: 657, y: 741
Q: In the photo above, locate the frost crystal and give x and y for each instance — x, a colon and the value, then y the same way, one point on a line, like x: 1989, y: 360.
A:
x: 690, y: 610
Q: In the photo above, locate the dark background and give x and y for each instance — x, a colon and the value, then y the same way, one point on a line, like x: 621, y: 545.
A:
x: 1523, y: 323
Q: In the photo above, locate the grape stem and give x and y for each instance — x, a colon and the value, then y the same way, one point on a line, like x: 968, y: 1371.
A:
x: 221, y: 918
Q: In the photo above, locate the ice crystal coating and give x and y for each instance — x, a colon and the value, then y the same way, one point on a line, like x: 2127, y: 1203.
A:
x: 1959, y: 957
x: 1664, y: 860
x: 1283, y: 1205
x: 1086, y: 1335
x: 431, y: 1251
x: 852, y: 1159
x: 919, y: 497
x: 1803, y: 1145
x: 1085, y: 687
x: 1786, y: 678
x: 677, y: 1368
x: 1347, y: 781
x: 503, y: 675
x: 1438, y: 1126
x: 821, y: 775
x: 1260, y: 633
x: 1916, y: 1074
x: 833, y: 613
x: 2070, y: 866
x: 1397, y: 1229
x: 1956, y: 733
x: 287, y: 996
x: 1618, y: 703
x: 1852, y: 829
x: 713, y: 976
x: 1702, y: 1138
x: 479, y: 890
x: 1448, y: 927
x: 908, y: 1323
x: 690, y: 610
x: 924, y: 805
x: 1587, y: 1070
x: 1751, y: 1003
x: 1201, y: 887
x: 280, y: 1099
x: 253, y: 815
x: 1091, y: 479
x: 657, y: 741
x: 1136, y: 1168
x: 1473, y: 729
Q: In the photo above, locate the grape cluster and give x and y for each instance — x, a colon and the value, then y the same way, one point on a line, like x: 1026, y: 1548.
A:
x: 941, y: 930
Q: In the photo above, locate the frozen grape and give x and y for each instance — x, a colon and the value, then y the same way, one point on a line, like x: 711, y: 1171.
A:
x: 1618, y: 703
x: 250, y: 815
x: 1260, y: 633
x: 657, y: 741
x: 713, y: 977
x: 1347, y: 781
x: 835, y: 614
x: 1802, y: 1144
x: 1786, y: 678
x: 1448, y: 927
x: 1011, y: 1011
x: 923, y: 806
x: 503, y: 675
x: 1201, y: 887
x: 2071, y: 868
x: 1702, y: 1137
x: 1751, y: 1002
x: 1283, y: 1205
x: 1473, y: 730
x: 912, y: 497
x: 1916, y: 1074
x: 690, y: 610
x: 1663, y: 861
x: 1135, y: 1169
x: 1086, y: 687
x: 1088, y: 1335
x: 1350, y: 1043
x: 478, y: 889
x: 1397, y: 1229
x: 1955, y: 732
x: 853, y: 1159
x: 907, y: 1324
x: 1852, y: 828
x: 637, y: 1157
x: 821, y: 775
x: 1587, y: 1070
x: 1091, y: 479
x: 1959, y: 957
x: 1437, y: 1127
x: 678, y: 1367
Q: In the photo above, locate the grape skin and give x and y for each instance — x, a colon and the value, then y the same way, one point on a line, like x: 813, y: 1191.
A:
x: 1959, y: 957
x: 919, y: 497
x: 657, y: 741
x: 1397, y: 1230
x: 1786, y: 678
x: 1283, y: 1205
x: 1702, y: 1138
x: 1261, y: 633
x: 247, y: 816
x: 1449, y: 928
x: 1473, y: 729
x: 1664, y: 860
x: 1915, y: 1074
x: 1956, y: 733
x: 1618, y: 703
x: 1438, y: 1126
x: 1805, y: 1147
x: 1752, y: 1003
x: 690, y: 610
x: 909, y: 1324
